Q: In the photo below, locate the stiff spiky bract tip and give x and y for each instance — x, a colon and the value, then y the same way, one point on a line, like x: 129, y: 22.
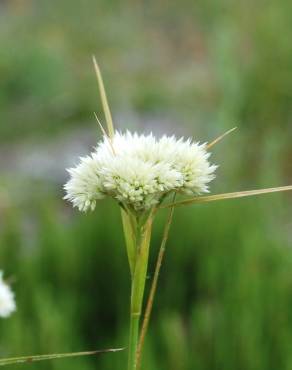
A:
x: 219, y: 138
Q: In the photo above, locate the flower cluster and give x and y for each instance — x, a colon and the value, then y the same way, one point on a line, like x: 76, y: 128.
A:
x: 138, y: 170
x: 7, y: 302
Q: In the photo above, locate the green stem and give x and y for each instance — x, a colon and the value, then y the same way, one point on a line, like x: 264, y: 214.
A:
x: 153, y: 288
x: 137, y: 288
x: 133, y: 339
x: 130, y: 233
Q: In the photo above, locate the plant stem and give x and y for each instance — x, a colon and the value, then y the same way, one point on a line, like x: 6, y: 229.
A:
x: 137, y: 288
x: 133, y: 339
x: 153, y: 288
x: 130, y: 233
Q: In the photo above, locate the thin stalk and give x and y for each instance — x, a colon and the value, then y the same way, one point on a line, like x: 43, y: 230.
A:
x: 137, y: 289
x: 133, y: 339
x: 29, y: 359
x: 153, y: 289
x: 138, y: 257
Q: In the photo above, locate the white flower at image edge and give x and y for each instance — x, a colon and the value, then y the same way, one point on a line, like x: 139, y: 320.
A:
x: 7, y: 301
x: 138, y: 170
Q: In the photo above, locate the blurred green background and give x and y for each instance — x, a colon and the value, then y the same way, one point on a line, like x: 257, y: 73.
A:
x: 183, y: 67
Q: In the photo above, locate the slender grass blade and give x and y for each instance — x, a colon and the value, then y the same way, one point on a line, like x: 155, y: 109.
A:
x: 29, y: 359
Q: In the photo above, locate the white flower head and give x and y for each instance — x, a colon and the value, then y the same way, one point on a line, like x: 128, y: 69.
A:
x: 138, y: 170
x: 7, y: 301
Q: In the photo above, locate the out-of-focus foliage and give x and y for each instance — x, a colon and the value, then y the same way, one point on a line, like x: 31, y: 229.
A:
x: 195, y: 68
x: 224, y: 297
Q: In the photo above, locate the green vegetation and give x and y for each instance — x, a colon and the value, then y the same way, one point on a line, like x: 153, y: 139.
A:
x: 223, y: 299
x: 224, y: 296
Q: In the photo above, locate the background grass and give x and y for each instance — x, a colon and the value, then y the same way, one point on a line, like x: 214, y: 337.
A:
x: 189, y: 68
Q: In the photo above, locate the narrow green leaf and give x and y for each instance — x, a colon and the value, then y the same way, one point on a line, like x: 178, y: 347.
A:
x: 141, y: 266
x: 130, y: 239
x: 29, y: 359
x: 106, y: 109
x: 239, y: 194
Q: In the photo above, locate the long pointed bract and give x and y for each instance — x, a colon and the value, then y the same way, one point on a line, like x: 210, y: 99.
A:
x: 220, y: 137
x: 105, y: 133
x: 238, y: 194
x: 107, y: 112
